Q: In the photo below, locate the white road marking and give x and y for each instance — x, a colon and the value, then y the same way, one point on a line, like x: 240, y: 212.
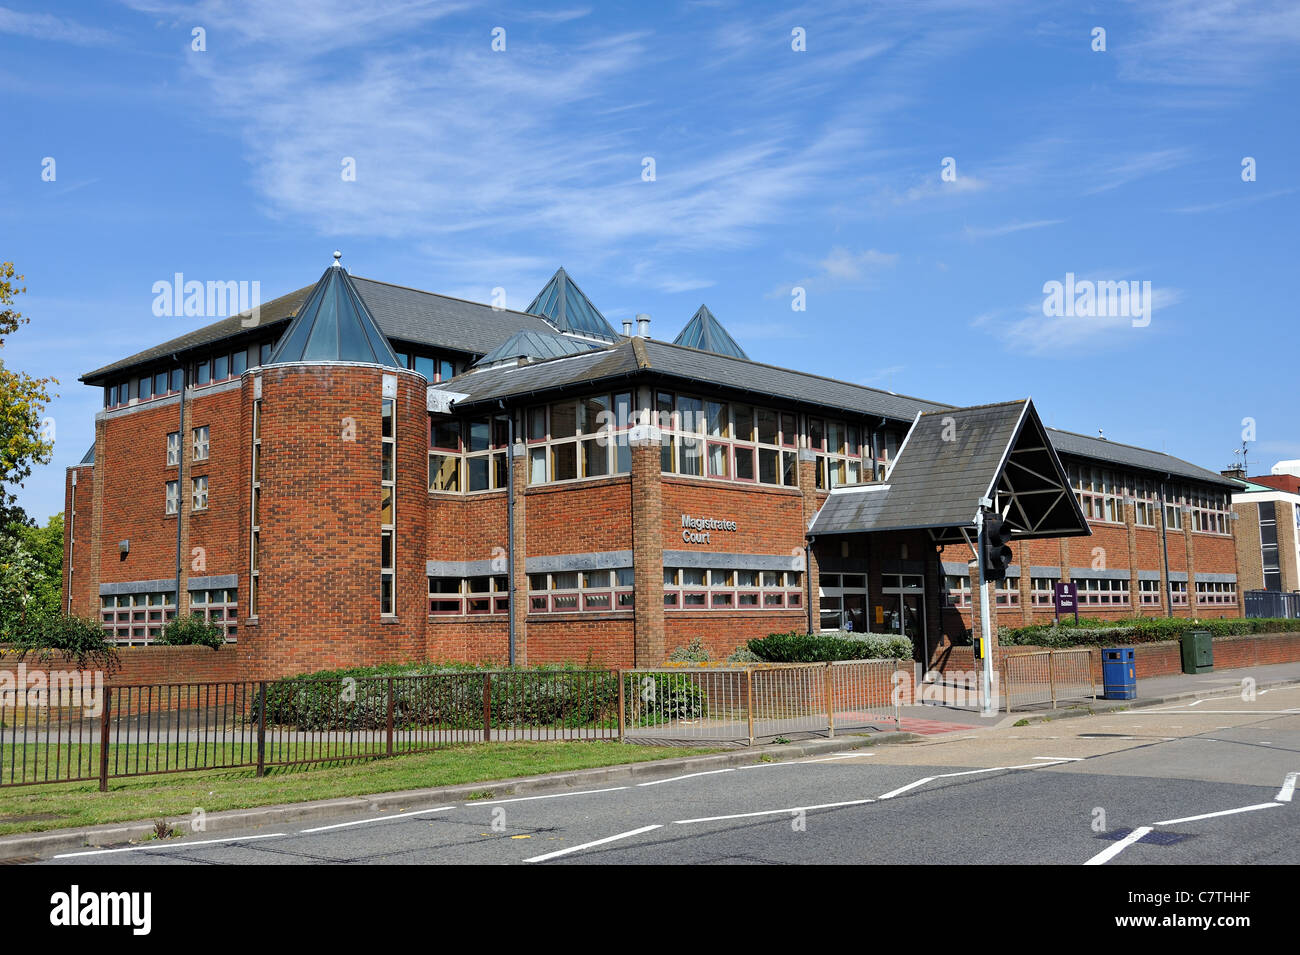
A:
x: 589, y: 845
x: 1288, y: 788
x: 1224, y: 812
x: 1110, y: 852
x: 1063, y: 759
x: 673, y: 779
x: 362, y: 822
x: 773, y: 812
x: 1291, y: 712
x: 582, y: 792
x: 827, y: 759
x: 1197, y: 703
x: 170, y: 845
x: 1056, y: 761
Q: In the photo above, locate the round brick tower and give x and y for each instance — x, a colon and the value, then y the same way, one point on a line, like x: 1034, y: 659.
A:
x: 335, y: 516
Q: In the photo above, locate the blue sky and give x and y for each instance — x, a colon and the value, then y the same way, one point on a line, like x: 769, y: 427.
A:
x: 774, y: 169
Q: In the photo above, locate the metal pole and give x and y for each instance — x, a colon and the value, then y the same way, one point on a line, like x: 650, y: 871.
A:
x: 180, y: 482
x: 807, y: 575
x: 510, y: 526
x: 986, y: 625
x: 1164, y: 547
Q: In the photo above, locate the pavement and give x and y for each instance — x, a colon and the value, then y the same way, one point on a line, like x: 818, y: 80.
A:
x: 1213, y: 748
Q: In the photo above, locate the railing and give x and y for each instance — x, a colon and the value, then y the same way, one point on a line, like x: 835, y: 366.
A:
x: 115, y: 732
x: 1047, y: 676
x: 746, y: 703
x: 1272, y: 603
x: 54, y: 736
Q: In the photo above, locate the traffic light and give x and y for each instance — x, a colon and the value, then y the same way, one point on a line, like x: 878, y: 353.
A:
x: 997, y: 555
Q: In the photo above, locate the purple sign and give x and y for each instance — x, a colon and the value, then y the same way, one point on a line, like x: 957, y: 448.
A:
x: 1067, y: 600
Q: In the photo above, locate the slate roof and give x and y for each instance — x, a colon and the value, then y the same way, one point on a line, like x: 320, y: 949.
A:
x: 948, y: 462
x: 690, y: 366
x: 706, y: 333
x: 536, y: 345
x: 334, y: 325
x: 403, y: 314
x: 1130, y: 456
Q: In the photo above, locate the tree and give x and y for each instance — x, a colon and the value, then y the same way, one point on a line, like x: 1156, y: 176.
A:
x: 23, y: 440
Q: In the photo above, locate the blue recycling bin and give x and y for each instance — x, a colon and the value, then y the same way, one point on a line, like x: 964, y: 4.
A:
x: 1119, y: 674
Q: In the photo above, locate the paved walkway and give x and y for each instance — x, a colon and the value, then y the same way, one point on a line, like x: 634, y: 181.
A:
x: 1149, y: 690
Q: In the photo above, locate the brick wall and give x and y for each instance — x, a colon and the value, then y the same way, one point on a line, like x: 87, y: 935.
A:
x: 153, y: 665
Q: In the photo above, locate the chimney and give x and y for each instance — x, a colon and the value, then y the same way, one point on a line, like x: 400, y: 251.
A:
x: 627, y: 328
x: 643, y: 325
x: 1236, y: 471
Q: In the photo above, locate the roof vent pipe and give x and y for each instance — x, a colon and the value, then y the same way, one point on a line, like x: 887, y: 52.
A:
x: 627, y: 328
x: 643, y: 325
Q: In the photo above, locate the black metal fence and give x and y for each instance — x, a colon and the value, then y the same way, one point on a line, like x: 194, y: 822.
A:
x: 68, y: 733
x: 1272, y: 603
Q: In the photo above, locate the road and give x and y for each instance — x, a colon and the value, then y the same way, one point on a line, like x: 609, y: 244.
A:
x: 1206, y: 781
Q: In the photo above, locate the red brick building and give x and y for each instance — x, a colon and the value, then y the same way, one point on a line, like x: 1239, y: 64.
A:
x: 365, y: 473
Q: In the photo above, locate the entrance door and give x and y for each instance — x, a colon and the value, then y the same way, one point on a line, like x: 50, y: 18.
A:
x: 904, y: 606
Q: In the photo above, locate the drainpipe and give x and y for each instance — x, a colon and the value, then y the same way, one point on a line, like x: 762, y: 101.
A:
x: 510, y: 522
x: 807, y: 578
x: 1164, y: 547
x: 180, y: 480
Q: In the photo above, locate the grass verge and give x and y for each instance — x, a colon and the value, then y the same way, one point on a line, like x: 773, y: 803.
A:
x: 71, y: 805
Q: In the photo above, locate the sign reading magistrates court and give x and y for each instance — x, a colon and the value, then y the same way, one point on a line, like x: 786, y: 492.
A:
x: 696, y: 530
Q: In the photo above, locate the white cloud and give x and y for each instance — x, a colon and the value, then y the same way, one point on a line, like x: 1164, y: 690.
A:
x: 47, y: 26
x: 993, y: 232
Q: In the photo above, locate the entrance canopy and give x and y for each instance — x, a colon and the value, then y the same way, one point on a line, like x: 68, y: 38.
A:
x: 948, y: 462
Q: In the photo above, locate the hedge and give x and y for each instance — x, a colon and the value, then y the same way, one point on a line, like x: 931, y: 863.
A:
x: 799, y: 647
x: 1137, y: 630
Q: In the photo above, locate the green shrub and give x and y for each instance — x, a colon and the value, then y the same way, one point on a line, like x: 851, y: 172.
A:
x: 79, y: 640
x: 1136, y: 630
x: 743, y: 655
x: 656, y: 698
x: 443, y: 697
x: 820, y: 648
x: 693, y: 652
x: 192, y: 631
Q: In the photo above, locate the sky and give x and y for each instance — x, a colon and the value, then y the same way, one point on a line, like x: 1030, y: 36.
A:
x: 877, y: 192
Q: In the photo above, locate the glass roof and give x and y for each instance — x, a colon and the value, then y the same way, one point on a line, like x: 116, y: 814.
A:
x: 569, y: 310
x: 706, y: 333
x: 535, y: 345
x: 334, y: 324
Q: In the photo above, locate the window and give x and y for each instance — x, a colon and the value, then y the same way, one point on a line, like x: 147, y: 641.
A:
x: 1174, y: 503
x: 1094, y: 592
x: 1149, y: 593
x: 200, y: 493
x: 843, y: 602
x: 1100, y: 494
x: 958, y: 590
x: 203, y: 372
x: 1210, y: 512
x: 173, y: 448
x: 838, y: 447
x: 1178, y: 593
x: 728, y: 441
x: 387, y: 506
x: 468, y: 454
x: 220, y: 607
x: 1007, y: 592
x: 1215, y: 593
x: 145, y: 388
x: 572, y: 591
x: 173, y: 497
x: 201, y: 443
x: 886, y: 451
x: 457, y: 596
x: 1146, y: 503
x: 255, y: 518
x: 583, y: 438
x: 694, y: 588
x: 1042, y: 592
x: 136, y: 619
